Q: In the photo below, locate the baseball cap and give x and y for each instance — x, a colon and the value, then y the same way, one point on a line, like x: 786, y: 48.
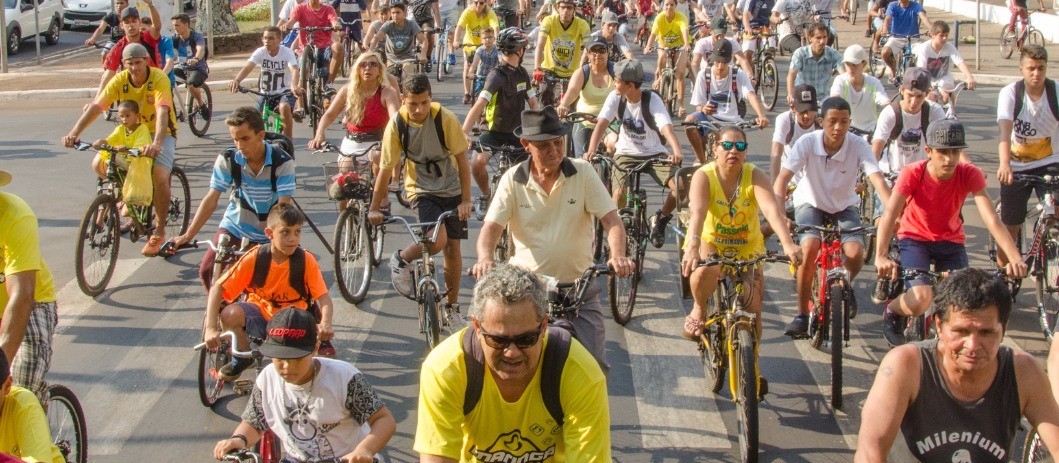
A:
x: 946, y: 134
x: 916, y: 79
x: 595, y: 41
x: 134, y: 50
x: 5, y: 177
x: 609, y: 17
x: 629, y: 70
x: 805, y: 98
x: 722, y: 52
x: 855, y: 54
x: 291, y: 334
x: 129, y: 11
x: 719, y: 25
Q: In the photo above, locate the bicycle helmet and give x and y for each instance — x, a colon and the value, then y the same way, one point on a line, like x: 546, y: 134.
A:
x: 511, y: 40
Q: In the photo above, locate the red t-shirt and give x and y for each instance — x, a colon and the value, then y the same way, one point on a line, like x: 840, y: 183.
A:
x: 305, y: 16
x: 113, y: 61
x: 932, y: 212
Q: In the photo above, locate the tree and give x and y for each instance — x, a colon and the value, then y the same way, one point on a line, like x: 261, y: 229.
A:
x: 223, y: 19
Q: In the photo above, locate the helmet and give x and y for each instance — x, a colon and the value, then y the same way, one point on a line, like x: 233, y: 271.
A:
x: 511, y: 40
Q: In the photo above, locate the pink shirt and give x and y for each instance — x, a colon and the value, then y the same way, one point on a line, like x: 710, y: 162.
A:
x: 932, y: 212
x: 305, y: 16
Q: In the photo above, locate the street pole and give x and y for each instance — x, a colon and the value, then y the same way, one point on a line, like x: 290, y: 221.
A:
x: 209, y: 24
x: 3, y: 40
x: 275, y: 12
x: 36, y: 28
x: 978, y: 35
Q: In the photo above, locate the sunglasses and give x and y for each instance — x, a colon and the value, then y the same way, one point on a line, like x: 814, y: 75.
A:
x: 738, y: 145
x: 522, y: 341
x: 369, y: 64
x: 598, y: 50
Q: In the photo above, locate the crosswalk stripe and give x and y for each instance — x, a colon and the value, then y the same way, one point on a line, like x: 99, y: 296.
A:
x: 73, y: 304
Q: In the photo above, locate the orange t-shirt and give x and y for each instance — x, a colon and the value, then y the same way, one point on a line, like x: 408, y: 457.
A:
x: 276, y: 293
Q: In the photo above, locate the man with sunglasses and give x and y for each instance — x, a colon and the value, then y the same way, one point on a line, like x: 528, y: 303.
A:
x: 463, y: 417
x: 617, y: 47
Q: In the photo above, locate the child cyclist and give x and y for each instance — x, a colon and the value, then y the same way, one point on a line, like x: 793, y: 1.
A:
x: 319, y: 409
x: 281, y: 286
x: 938, y: 56
x: 486, y: 58
x: 129, y: 134
x: 279, y: 72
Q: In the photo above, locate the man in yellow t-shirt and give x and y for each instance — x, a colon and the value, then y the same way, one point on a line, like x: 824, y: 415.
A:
x: 559, y: 43
x: 27, y: 295
x: 500, y: 359
x: 670, y: 30
x: 24, y: 429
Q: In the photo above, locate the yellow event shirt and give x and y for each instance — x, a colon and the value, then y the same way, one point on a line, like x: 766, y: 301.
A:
x: 24, y: 429
x: 498, y: 430
x: 733, y: 228
x: 473, y: 25
x: 153, y: 96
x: 670, y: 32
x: 20, y: 248
x: 391, y: 146
x: 121, y: 137
x: 562, y: 51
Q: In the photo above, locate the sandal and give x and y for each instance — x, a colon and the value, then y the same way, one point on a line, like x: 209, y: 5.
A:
x: 692, y: 329
x: 681, y: 113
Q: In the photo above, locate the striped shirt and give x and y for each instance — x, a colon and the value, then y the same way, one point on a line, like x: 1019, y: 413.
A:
x: 256, y: 188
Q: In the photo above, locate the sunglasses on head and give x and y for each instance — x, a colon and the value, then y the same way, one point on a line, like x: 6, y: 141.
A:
x: 739, y: 145
x: 522, y: 341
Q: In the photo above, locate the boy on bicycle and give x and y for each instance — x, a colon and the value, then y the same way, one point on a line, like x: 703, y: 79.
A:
x: 1020, y: 11
x: 401, y: 37
x: 902, y: 22
x: 895, y: 143
x: 24, y: 432
x: 275, y: 62
x: 938, y: 56
x: 312, y: 13
x: 559, y: 43
x: 191, y: 51
x: 319, y: 409
x: 129, y: 134
x: 473, y: 23
x: 486, y: 58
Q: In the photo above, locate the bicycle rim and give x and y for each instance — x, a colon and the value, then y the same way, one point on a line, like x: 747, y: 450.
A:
x: 746, y: 398
x: 712, y: 346
x: 199, y: 115
x: 377, y: 236
x: 179, y: 215
x: 623, y: 290
x: 1033, y: 450
x: 836, y: 302
x: 352, y: 257
x: 210, y: 384
x: 769, y: 84
x: 1007, y: 42
x: 853, y: 12
x: 1035, y: 38
x: 96, y: 250
x: 66, y: 420
x: 428, y: 304
x: 1048, y: 283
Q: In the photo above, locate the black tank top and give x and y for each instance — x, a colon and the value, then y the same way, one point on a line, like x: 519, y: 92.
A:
x: 940, y: 428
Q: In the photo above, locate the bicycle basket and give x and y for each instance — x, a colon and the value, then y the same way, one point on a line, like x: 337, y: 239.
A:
x: 348, y: 180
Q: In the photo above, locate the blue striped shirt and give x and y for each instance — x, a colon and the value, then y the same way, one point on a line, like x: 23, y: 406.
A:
x: 256, y: 188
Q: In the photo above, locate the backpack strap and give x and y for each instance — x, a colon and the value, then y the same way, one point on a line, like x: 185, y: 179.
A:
x: 1020, y: 94
x: 296, y: 276
x: 899, y: 123
x: 474, y: 365
x: 924, y: 117
x: 279, y: 157
x: 1053, y: 102
x: 261, y: 265
x: 554, y: 358
x: 402, y: 131
x: 645, y: 111
x: 790, y: 133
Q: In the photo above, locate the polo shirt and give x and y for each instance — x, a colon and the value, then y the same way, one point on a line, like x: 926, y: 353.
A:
x: 530, y: 213
x: 256, y: 188
x: 828, y: 182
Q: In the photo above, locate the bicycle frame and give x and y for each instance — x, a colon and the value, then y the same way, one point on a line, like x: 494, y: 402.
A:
x: 113, y: 183
x: 561, y: 306
x: 424, y: 266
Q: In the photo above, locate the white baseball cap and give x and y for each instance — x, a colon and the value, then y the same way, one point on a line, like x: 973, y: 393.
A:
x: 855, y: 54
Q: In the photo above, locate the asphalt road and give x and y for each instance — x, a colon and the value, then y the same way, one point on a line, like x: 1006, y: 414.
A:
x: 127, y: 353
x: 70, y: 40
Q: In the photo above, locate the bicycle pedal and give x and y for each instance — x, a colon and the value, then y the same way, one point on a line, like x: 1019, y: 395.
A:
x: 243, y: 386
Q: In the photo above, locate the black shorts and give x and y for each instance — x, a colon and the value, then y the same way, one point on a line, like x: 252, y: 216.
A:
x: 427, y: 23
x: 1014, y: 198
x: 194, y: 77
x: 430, y: 207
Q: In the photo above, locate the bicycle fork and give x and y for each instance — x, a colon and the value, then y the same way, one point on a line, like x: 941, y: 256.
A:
x: 740, y: 320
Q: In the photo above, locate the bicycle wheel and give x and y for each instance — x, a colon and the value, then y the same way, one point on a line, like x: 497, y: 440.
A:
x: 746, y: 397
x: 1007, y: 41
x: 599, y: 242
x: 377, y: 235
x: 769, y: 84
x: 836, y: 301
x: 66, y: 420
x: 199, y: 115
x: 685, y: 282
x: 1033, y: 450
x: 352, y: 256
x: 1035, y: 38
x: 853, y: 12
x: 712, y: 345
x: 428, y: 306
x: 179, y: 216
x: 623, y: 290
x: 867, y: 213
x: 876, y: 65
x: 98, y: 240
x: 348, y: 57
x: 441, y: 59
x: 210, y: 385
x: 1047, y: 279
x: 664, y: 90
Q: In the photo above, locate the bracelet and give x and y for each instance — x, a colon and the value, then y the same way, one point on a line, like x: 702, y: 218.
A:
x: 240, y: 437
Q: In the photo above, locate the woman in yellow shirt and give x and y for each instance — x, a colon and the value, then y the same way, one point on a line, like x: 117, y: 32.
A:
x: 726, y: 196
x: 671, y: 30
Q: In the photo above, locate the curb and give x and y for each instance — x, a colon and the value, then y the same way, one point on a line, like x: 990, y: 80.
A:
x: 87, y: 93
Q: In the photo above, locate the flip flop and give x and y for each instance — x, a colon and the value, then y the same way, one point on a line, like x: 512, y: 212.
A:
x: 692, y: 329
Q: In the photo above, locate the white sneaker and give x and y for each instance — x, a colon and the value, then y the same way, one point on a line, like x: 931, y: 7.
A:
x: 401, y: 275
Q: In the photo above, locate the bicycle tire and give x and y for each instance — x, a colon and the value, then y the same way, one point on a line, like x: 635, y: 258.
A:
x: 876, y: 65
x: 179, y: 215
x: 853, y: 6
x: 669, y: 94
x: 599, y: 242
x: 817, y: 315
x: 441, y: 59
x: 348, y: 57
x: 1033, y: 449
x: 102, y: 241
x: 769, y: 83
x: 305, y: 61
x: 210, y: 385
x: 1046, y: 275
x: 685, y: 282
x: 867, y: 213
x: 377, y: 235
x: 428, y: 306
x: 1035, y: 37
x: 746, y: 397
x: 1007, y: 41
x: 66, y: 420
x: 837, y: 322
x: 916, y: 329
x: 352, y: 258
x: 199, y: 116
x: 712, y: 345
x: 623, y: 290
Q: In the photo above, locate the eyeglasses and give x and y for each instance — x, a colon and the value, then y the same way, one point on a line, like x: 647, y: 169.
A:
x: 738, y: 145
x: 368, y: 64
x: 522, y: 341
x: 598, y: 50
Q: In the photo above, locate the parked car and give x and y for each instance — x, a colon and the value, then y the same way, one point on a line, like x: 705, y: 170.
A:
x: 20, y: 26
x: 86, y: 13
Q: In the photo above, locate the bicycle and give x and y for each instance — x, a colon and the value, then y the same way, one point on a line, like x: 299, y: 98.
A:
x: 196, y: 114
x: 350, y: 47
x: 950, y: 107
x: 1033, y: 449
x: 503, y: 157
x: 667, y: 87
x: 601, y: 164
x: 765, y: 74
x: 312, y: 76
x: 397, y: 67
x: 729, y: 337
x: 99, y: 234
x: 441, y: 51
x: 551, y: 89
x: 273, y: 119
x: 1010, y: 39
x: 502, y: 14
x: 565, y: 299
x: 426, y: 291
x: 645, y: 30
x: 866, y: 194
x: 712, y: 125
x: 66, y: 420
x: 877, y: 65
x: 250, y: 456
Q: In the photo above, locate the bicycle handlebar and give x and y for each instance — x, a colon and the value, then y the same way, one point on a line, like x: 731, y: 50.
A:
x: 231, y: 345
x: 285, y: 92
x: 833, y: 230
x: 716, y: 124
x: 416, y: 235
x: 327, y: 147
x: 743, y: 263
x: 1041, y: 180
x: 247, y: 455
x: 576, y: 117
x: 580, y: 287
x: 82, y: 146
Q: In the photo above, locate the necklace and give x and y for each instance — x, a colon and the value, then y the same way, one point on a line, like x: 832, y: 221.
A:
x: 312, y: 383
x: 735, y: 193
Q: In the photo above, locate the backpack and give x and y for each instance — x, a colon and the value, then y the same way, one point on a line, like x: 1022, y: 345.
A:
x: 1049, y: 93
x: 279, y: 157
x: 553, y: 359
x: 740, y: 104
x: 402, y: 133
x: 790, y: 133
x: 296, y: 276
x: 899, y: 123
x: 585, y: 71
x: 648, y: 118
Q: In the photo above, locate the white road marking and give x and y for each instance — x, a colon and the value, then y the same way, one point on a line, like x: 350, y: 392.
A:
x: 73, y: 304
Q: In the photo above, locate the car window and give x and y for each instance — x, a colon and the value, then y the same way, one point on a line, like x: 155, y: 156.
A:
x: 9, y: 4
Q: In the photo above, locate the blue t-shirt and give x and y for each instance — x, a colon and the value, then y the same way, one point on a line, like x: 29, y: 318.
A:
x: 905, y: 21
x: 166, y: 51
x: 256, y: 189
x: 187, y: 48
x: 488, y: 59
x: 760, y: 12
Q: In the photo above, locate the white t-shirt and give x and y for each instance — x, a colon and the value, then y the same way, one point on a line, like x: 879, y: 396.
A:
x: 799, y: 11
x: 720, y: 90
x: 864, y: 103
x: 908, y: 147
x: 446, y: 5
x: 635, y: 138
x: 710, y: 7
x: 325, y: 418
x: 685, y: 9
x: 938, y: 63
x: 288, y: 7
x: 275, y: 70
x: 1035, y: 132
x: 783, y: 128
x: 828, y: 182
x: 704, y: 46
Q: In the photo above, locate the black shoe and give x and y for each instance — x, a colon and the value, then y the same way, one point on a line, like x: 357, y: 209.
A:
x: 233, y: 369
x: 428, y: 67
x: 882, y: 291
x: 798, y: 327
x: 298, y: 115
x: 893, y: 328
x: 852, y: 307
x: 762, y: 388
x: 658, y: 228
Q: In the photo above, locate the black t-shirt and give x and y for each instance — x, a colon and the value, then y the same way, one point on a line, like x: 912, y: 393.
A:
x: 508, y: 88
x: 618, y: 7
x: 116, y: 32
x: 421, y: 10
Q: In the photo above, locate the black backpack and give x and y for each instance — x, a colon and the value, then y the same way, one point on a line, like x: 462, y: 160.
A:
x: 790, y: 133
x: 279, y: 157
x: 740, y: 103
x: 296, y: 277
x: 899, y: 119
x: 1049, y: 93
x: 553, y: 359
x: 645, y: 111
x: 402, y: 133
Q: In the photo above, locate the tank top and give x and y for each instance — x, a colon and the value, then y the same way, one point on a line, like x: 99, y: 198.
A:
x: 939, y: 428
x: 592, y: 97
x: 375, y: 116
x: 732, y: 223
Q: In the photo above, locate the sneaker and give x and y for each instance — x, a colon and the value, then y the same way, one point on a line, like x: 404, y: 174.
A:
x: 298, y: 115
x: 798, y: 327
x: 658, y: 228
x: 453, y: 316
x: 452, y: 59
x: 154, y: 244
x: 893, y: 328
x: 401, y: 275
x: 233, y: 369
x: 326, y: 350
x: 428, y: 67
x: 481, y: 206
x: 882, y: 291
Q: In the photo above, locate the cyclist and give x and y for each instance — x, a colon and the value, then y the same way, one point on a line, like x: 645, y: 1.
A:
x: 401, y: 37
x: 450, y: 16
x: 134, y: 33
x: 505, y: 95
x: 509, y: 341
x: 166, y: 54
x: 755, y: 18
x: 427, y: 15
x: 670, y: 30
x: 428, y: 139
x: 645, y: 14
x: 938, y: 56
x: 617, y: 47
x: 590, y: 86
x: 791, y: 126
x: 704, y: 47
x: 486, y: 58
x: 150, y: 88
x: 928, y: 198
x: 562, y: 35
x: 1028, y: 135
x: 279, y: 73
x: 901, y: 21
x: 645, y: 131
x: 24, y: 432
x: 1019, y: 12
x: 110, y: 20
x: 534, y: 196
x: 473, y: 21
x: 813, y: 64
x: 959, y: 397
x: 192, y: 52
x: 864, y: 92
x: 313, y: 13
x: 130, y: 133
x: 621, y: 10
x: 902, y: 137
x: 831, y: 160
x: 27, y: 297
x: 509, y: 12
x: 876, y: 13
x: 318, y: 408
x: 793, y: 17
x: 350, y: 11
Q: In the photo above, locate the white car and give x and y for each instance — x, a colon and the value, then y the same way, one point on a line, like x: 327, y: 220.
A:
x: 86, y: 13
x: 19, y: 15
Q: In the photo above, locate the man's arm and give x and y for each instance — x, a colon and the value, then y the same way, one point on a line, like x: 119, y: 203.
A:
x: 243, y: 72
x: 487, y: 240
x: 474, y: 114
x: 542, y: 39
x: 1004, y: 174
x: 775, y: 159
x: 887, y: 225
x: 1016, y: 265
x: 779, y: 186
x: 923, y: 17
x: 20, y: 289
x: 206, y: 208
x: 968, y: 75
x: 792, y: 75
x: 464, y: 170
x: 156, y: 20
x: 597, y: 135
x: 90, y: 41
x: 616, y: 240
x: 896, y: 384
x: 327, y: 315
x: 90, y: 114
x: 671, y: 137
x: 1038, y: 403
x: 877, y: 147
x: 880, y: 185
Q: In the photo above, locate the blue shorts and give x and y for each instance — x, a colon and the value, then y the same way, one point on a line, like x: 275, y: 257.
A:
x: 323, y: 62
x: 274, y: 101
x: 807, y: 215
x: 945, y: 255
x: 256, y: 327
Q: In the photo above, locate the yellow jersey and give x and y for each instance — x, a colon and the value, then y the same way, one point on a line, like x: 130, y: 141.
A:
x: 473, y: 25
x: 153, y: 96
x: 562, y: 51
x: 670, y: 33
x: 732, y: 224
x: 24, y: 429
x: 20, y: 249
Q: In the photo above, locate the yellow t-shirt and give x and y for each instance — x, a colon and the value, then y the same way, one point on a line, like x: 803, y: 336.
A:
x: 669, y: 33
x: 20, y: 249
x: 153, y: 96
x: 562, y: 51
x: 454, y: 140
x: 473, y: 26
x: 497, y: 430
x: 24, y: 429
x: 120, y: 137
x: 732, y: 224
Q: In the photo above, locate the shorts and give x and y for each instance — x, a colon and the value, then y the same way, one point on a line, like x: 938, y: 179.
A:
x: 323, y: 62
x: 167, y: 156
x: 427, y: 23
x: 430, y: 207
x: 807, y: 215
x: 354, y: 147
x: 508, y: 17
x: 1014, y: 197
x: 946, y: 255
x: 33, y: 359
x: 876, y: 23
x: 450, y: 17
x: 661, y: 174
x: 193, y: 77
x: 401, y: 70
x: 897, y: 44
x: 491, y: 138
x: 273, y: 101
x: 945, y: 83
x: 256, y: 326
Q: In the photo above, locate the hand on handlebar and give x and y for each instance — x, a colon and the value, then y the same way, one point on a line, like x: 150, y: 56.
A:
x: 376, y: 217
x: 623, y: 266
x: 359, y: 456
x: 762, y: 122
x: 562, y: 111
x: 212, y: 337
x: 794, y: 253
x: 226, y: 446
x: 971, y: 84
x: 482, y: 267
x: 463, y: 211
x: 885, y: 267
x: 70, y: 141
x: 317, y: 143
x: 1004, y: 175
x: 1016, y: 269
x: 233, y: 85
x: 538, y: 75
x: 676, y: 159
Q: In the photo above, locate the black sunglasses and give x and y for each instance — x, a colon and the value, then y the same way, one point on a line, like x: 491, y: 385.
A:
x: 522, y: 341
x: 739, y: 145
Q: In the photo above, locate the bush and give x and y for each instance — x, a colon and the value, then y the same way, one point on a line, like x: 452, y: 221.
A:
x: 252, y: 10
